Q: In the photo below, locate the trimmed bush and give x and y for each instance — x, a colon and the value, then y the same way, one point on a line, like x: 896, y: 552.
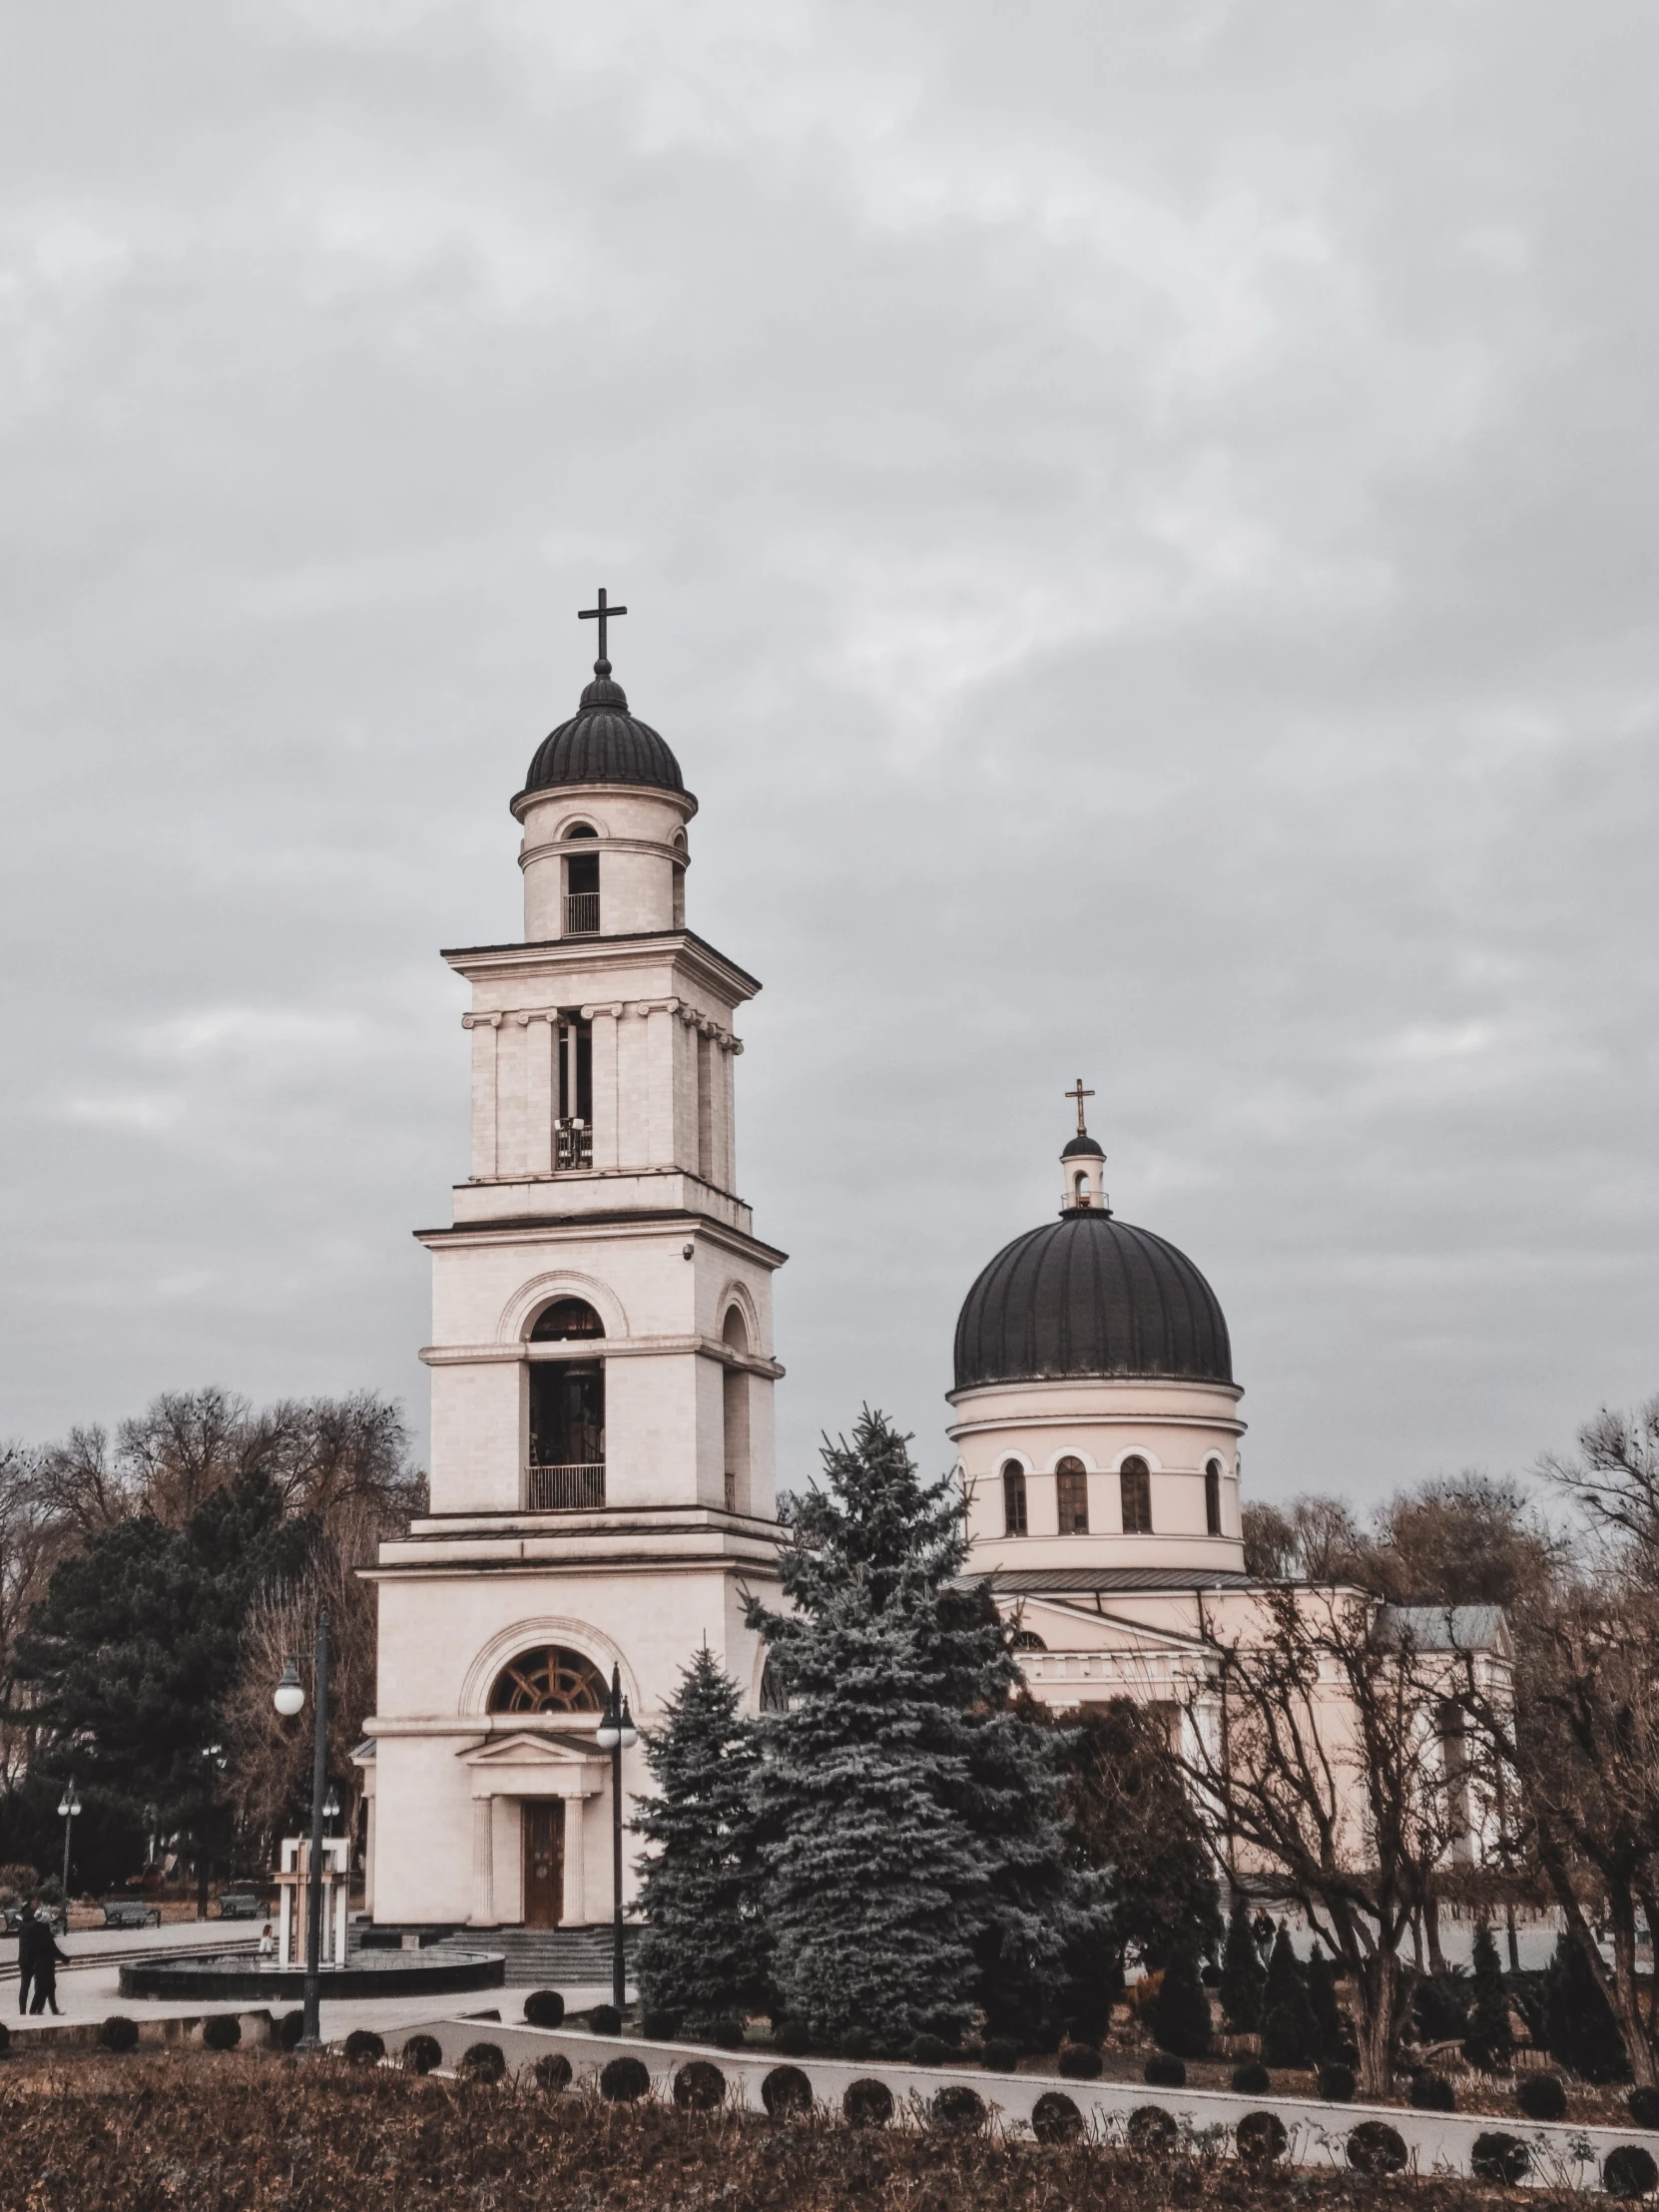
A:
x: 287, y: 2032
x: 625, y: 2081
x: 5, y: 2038
x: 1151, y: 2130
x: 1578, y: 2024
x: 1055, y: 2120
x: 1629, y: 2172
x: 1541, y: 2096
x: 660, y: 2026
x: 221, y: 2032
x: 1260, y: 2138
x: 927, y: 2051
x: 1080, y: 2062
x: 785, y: 2091
x: 544, y: 2008
x: 1290, y: 2033
x: 1252, y: 2080
x: 959, y: 2111
x: 119, y: 2034
x: 1433, y: 2092
x: 1496, y: 2156
x: 605, y: 2019
x: 868, y: 2103
x: 1162, y: 2071
x: 1181, y: 2016
x: 1241, y: 1971
x: 857, y: 2042
x: 1374, y: 2147
x: 421, y: 2053
x: 791, y: 2040
x: 1440, y: 2005
x: 727, y: 2033
x: 553, y: 2072
x: 1489, y: 2042
x: 1000, y: 2054
x: 1643, y: 2106
x: 364, y: 2047
x: 699, y: 2086
x: 484, y: 2063
x: 1337, y: 2085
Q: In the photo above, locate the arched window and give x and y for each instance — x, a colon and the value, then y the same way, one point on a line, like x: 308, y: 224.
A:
x: 549, y: 1679
x: 734, y: 1403
x: 1071, y: 1484
x: 773, y: 1697
x: 1080, y: 1189
x: 1028, y: 1639
x: 1014, y: 1519
x: 565, y: 1318
x: 581, y: 887
x: 581, y: 830
x: 1135, y: 1489
x: 1211, y: 1498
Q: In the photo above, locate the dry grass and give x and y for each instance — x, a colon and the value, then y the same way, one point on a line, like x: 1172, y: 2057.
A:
x: 254, y: 2134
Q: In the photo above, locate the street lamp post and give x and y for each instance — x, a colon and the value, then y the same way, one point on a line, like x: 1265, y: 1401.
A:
x: 616, y: 1735
x: 290, y: 1700
x: 69, y: 1804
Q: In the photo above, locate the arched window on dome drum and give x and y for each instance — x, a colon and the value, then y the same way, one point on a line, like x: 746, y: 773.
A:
x: 581, y: 888
x: 1014, y: 1518
x: 1135, y: 1490
x: 549, y: 1679
x: 1071, y: 1487
x: 1211, y: 1498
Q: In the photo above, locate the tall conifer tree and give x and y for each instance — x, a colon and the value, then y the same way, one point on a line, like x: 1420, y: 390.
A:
x: 1290, y: 2033
x: 914, y: 1864
x: 1241, y: 1971
x: 702, y: 1953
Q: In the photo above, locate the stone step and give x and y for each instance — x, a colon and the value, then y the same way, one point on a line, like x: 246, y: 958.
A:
x: 550, y: 1954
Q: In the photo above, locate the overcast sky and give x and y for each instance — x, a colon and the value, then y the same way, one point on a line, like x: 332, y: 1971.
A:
x: 1139, y: 523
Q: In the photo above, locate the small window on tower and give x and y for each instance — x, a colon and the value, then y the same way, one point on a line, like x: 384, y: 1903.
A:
x: 1211, y: 1498
x: 582, y: 894
x: 1135, y: 1483
x: 1014, y: 1521
x: 1071, y: 1484
x: 573, y: 1129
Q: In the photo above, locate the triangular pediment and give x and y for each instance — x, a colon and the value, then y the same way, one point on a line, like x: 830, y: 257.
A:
x: 525, y: 1750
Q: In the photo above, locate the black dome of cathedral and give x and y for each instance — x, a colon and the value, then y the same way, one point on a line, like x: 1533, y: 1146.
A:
x: 603, y: 743
x: 1089, y: 1295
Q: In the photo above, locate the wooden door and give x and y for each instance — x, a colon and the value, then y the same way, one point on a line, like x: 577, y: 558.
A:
x: 544, y: 1862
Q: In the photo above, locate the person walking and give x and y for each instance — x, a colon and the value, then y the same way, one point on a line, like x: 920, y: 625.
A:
x: 48, y: 1958
x: 28, y: 1949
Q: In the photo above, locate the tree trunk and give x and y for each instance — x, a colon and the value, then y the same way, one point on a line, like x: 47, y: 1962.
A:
x: 201, y: 1887
x: 1377, y: 1993
x: 1432, y: 1924
x: 1627, y: 1999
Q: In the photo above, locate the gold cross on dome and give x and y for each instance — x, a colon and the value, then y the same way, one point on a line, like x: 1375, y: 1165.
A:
x: 1079, y: 1094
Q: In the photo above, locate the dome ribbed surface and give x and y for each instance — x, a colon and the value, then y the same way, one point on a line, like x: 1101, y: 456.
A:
x: 603, y: 743
x: 1089, y: 1295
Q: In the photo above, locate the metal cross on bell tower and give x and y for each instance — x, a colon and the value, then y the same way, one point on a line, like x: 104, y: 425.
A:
x: 602, y: 614
x: 1079, y: 1094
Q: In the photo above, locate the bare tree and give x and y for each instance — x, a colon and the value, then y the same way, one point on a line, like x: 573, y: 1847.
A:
x: 1613, y: 1481
x: 1314, y: 1745
x: 32, y: 1540
x: 1312, y: 1539
x: 1462, y: 1540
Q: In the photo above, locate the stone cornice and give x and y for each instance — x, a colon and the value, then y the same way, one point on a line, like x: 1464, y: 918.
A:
x: 559, y: 955
x: 601, y: 1348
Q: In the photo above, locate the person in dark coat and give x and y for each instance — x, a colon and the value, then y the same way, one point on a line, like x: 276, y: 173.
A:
x: 29, y: 1933
x: 48, y: 1958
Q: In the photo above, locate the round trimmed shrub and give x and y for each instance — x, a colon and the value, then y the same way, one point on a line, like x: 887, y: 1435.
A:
x: 1260, y: 2138
x: 1164, y: 2071
x: 868, y: 2103
x: 221, y: 2032
x: 1151, y: 2130
x: 364, y: 2047
x: 5, y: 2038
x: 1374, y: 2147
x: 553, y: 2072
x: 660, y: 2026
x: 857, y: 2042
x: 605, y: 2019
x: 791, y: 2040
x: 544, y: 2008
x: 1433, y: 2092
x: 1643, y: 2106
x: 785, y: 2091
x: 1055, y: 2120
x: 1000, y: 2054
x: 1252, y: 2080
x: 1629, y: 2172
x: 1541, y: 2096
x: 699, y: 2086
x: 1496, y: 2156
x: 287, y: 2032
x: 1337, y: 2085
x: 420, y: 2053
x: 927, y: 2051
x: 957, y: 2109
x: 1080, y: 2062
x: 727, y: 2033
x: 482, y: 2062
x: 625, y: 2081
x: 119, y: 2034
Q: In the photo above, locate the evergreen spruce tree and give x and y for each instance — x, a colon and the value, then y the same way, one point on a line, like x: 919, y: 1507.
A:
x: 1578, y: 2024
x: 701, y: 1952
x: 1181, y: 2016
x: 1288, y: 2034
x: 1330, y: 2030
x: 914, y: 1866
x: 1241, y: 1972
x: 1489, y: 2038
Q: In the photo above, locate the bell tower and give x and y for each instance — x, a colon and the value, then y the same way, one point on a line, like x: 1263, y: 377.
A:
x: 601, y: 1358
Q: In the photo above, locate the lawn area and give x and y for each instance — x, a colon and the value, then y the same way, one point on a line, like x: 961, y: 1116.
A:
x: 87, y: 2132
